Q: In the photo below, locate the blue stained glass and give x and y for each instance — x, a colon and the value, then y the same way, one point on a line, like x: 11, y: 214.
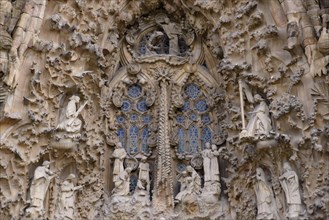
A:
x: 133, y: 183
x: 201, y: 106
x: 133, y: 135
x: 134, y: 91
x: 205, y: 119
x: 122, y: 136
x: 206, y: 136
x: 181, y: 167
x: 193, y: 117
x: 180, y: 119
x: 181, y: 140
x: 120, y: 119
x: 186, y: 106
x: 145, y: 135
x: 133, y: 117
x: 192, y: 91
x: 141, y: 106
x: 126, y: 106
x: 147, y: 119
x: 194, y: 136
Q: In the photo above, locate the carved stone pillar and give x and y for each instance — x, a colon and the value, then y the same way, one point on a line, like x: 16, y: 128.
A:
x: 163, y: 191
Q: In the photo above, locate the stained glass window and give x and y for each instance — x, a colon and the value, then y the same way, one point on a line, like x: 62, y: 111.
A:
x: 122, y: 136
x: 192, y: 91
x: 134, y: 91
x: 181, y: 140
x: 133, y: 136
x: 206, y: 136
x: 133, y: 183
x: 194, y: 136
x: 145, y: 135
x: 133, y: 120
x: 126, y: 106
x: 201, y: 106
x: 196, y: 114
x: 141, y: 106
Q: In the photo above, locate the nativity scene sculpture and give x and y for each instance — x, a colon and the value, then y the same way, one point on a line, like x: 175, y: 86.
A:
x: 152, y: 109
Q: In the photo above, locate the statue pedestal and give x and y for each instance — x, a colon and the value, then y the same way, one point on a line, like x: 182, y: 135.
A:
x: 65, y: 141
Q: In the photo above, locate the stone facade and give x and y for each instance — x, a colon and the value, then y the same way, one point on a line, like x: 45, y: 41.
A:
x: 154, y: 109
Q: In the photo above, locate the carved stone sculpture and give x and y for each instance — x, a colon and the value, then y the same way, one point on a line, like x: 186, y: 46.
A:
x: 67, y: 198
x: 122, y: 184
x: 266, y: 208
x: 165, y: 79
x: 190, y: 184
x: 119, y: 155
x: 211, y: 169
x: 172, y: 31
x: 259, y: 124
x: 290, y: 185
x: 144, y: 175
x: 39, y: 187
x: 72, y: 123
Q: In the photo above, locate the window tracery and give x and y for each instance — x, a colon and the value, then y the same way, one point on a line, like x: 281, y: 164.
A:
x: 133, y: 119
x: 192, y: 121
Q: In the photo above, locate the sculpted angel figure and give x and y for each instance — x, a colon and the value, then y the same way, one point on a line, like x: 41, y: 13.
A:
x: 67, y: 200
x: 144, y: 174
x: 40, y: 183
x: 72, y: 123
x: 122, y: 184
x: 290, y: 185
x: 190, y: 184
x: 119, y: 155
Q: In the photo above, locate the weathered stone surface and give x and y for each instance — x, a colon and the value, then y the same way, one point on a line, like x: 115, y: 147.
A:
x: 153, y: 109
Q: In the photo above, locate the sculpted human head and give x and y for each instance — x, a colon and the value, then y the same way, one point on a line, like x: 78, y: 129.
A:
x: 119, y: 145
x: 286, y: 167
x: 75, y: 98
x: 258, y: 98
x: 189, y: 169
x: 213, y: 147
x: 260, y: 175
x: 207, y: 145
x: 46, y: 163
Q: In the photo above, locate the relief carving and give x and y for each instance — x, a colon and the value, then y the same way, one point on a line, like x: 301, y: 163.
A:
x: 164, y: 109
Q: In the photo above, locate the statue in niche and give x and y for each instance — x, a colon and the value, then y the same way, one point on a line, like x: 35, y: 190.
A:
x: 142, y: 191
x: 40, y: 183
x: 259, y: 124
x: 211, y: 168
x: 67, y: 199
x: 172, y: 30
x: 119, y: 155
x: 190, y: 184
x: 266, y: 208
x: 72, y: 123
x: 290, y: 185
x: 206, y: 162
x: 144, y: 175
x: 122, y: 184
